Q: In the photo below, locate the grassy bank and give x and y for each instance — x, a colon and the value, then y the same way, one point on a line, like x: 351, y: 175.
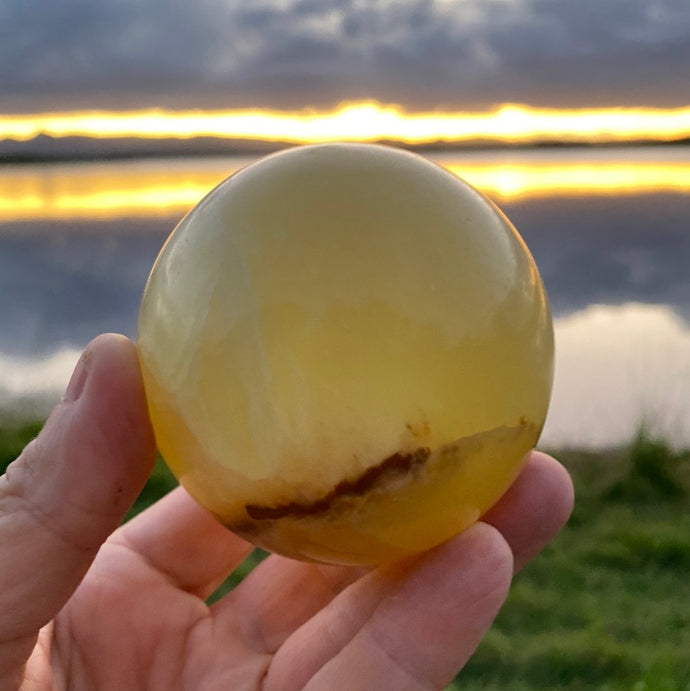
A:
x: 606, y: 606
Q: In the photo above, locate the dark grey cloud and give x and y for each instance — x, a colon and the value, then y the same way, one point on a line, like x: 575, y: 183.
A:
x: 291, y: 53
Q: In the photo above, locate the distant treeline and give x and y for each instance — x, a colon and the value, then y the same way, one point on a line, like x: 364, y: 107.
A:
x: 46, y: 149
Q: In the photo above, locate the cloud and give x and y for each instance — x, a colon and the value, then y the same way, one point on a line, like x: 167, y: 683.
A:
x: 292, y: 53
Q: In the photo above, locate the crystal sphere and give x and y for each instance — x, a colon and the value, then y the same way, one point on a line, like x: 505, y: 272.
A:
x: 347, y: 353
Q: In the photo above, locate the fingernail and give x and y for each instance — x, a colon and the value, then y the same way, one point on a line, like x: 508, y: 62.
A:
x: 78, y: 379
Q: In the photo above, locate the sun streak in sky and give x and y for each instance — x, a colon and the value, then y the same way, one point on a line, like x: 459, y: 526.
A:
x: 368, y: 121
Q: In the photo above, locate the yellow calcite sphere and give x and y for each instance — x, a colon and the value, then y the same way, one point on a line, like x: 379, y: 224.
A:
x: 347, y: 353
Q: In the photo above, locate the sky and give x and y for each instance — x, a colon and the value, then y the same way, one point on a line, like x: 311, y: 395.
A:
x: 424, y: 55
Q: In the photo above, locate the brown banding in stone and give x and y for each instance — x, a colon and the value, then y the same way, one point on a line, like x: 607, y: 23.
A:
x: 397, y: 464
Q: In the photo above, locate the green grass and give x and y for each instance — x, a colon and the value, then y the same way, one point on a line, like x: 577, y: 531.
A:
x: 605, y: 606
x: 13, y: 438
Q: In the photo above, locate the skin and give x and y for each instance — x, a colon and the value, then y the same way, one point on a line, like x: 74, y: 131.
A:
x: 87, y: 604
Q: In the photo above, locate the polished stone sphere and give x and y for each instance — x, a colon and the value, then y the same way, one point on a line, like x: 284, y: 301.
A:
x: 347, y: 353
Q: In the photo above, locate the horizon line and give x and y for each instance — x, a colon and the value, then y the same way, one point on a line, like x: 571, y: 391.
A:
x: 364, y: 121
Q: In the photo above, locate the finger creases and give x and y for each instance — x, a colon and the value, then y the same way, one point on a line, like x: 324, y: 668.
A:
x: 71, y: 486
x: 409, y: 625
x: 180, y: 539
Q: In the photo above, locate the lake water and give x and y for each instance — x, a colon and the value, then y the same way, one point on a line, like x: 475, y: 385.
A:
x: 609, y: 229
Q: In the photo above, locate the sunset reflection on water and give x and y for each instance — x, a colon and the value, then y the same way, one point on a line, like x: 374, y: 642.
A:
x: 169, y: 187
x: 609, y: 229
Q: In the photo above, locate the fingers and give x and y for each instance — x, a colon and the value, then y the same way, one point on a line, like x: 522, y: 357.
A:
x: 71, y: 487
x: 179, y: 538
x: 280, y: 595
x: 535, y: 508
x: 409, y: 625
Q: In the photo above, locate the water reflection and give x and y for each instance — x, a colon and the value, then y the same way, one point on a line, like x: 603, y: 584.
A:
x: 171, y: 187
x: 617, y: 368
x: 593, y: 250
x: 77, y: 242
x: 125, y: 189
x: 574, y: 172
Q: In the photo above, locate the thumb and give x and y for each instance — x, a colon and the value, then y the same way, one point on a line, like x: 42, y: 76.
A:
x: 69, y: 490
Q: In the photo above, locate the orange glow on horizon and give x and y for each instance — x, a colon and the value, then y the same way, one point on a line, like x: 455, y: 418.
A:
x: 367, y: 121
x: 146, y: 189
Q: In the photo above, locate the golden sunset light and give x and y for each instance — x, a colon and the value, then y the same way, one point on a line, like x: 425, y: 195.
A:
x: 112, y: 191
x: 504, y: 181
x: 367, y: 121
x: 162, y: 188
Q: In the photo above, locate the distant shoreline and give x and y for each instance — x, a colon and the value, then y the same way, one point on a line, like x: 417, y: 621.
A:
x: 44, y: 149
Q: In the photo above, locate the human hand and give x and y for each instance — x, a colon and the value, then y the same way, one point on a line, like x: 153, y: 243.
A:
x: 87, y: 605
